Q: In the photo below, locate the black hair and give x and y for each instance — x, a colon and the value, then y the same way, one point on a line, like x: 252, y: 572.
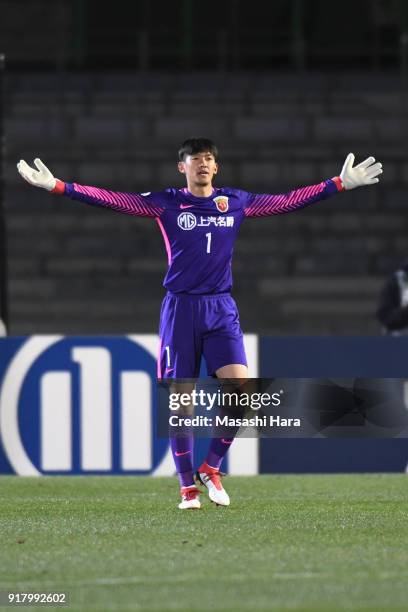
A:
x: 191, y: 146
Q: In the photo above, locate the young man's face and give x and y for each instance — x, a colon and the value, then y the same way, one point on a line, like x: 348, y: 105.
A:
x: 199, y: 169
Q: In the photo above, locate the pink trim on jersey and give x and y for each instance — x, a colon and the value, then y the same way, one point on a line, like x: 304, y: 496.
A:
x: 263, y: 205
x: 129, y: 203
x: 159, y: 372
x: 166, y: 240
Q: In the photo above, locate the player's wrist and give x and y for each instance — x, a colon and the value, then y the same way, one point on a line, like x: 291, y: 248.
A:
x: 59, y: 187
x: 339, y: 183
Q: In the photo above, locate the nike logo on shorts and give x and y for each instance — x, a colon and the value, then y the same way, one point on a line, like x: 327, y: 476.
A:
x: 184, y: 453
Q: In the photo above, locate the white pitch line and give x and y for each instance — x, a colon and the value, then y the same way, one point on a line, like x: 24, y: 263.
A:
x: 124, y: 580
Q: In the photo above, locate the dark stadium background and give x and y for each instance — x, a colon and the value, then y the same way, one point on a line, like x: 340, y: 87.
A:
x: 105, y: 93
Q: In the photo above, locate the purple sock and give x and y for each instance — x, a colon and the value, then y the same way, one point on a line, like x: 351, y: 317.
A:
x: 182, y: 449
x: 217, y: 451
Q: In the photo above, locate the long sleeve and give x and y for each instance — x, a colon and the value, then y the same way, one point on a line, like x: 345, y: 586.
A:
x: 263, y: 205
x: 142, y: 205
x: 390, y: 312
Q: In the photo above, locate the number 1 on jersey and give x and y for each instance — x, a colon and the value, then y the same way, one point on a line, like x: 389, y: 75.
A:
x: 208, y: 236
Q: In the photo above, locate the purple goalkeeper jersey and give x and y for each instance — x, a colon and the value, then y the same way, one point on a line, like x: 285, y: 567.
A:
x: 200, y: 232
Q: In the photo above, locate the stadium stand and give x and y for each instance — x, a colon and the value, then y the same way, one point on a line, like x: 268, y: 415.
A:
x: 76, y: 269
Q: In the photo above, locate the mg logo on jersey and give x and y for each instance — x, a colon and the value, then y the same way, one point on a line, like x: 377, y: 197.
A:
x: 82, y: 406
x: 186, y: 221
x: 221, y: 203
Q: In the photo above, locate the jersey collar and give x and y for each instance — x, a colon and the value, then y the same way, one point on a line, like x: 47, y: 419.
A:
x: 189, y: 196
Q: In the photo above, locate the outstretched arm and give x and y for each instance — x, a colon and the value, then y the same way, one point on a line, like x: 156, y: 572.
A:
x: 366, y: 173
x: 128, y: 203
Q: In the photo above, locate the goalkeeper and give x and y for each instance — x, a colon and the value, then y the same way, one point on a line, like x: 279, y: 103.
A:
x: 199, y: 317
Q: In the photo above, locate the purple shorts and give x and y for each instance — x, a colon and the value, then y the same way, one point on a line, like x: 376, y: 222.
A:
x: 196, y: 325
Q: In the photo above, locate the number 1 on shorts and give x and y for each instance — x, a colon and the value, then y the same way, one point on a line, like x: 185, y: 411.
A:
x: 167, y: 349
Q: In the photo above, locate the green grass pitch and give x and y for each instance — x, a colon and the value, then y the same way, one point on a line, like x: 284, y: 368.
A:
x: 309, y: 543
